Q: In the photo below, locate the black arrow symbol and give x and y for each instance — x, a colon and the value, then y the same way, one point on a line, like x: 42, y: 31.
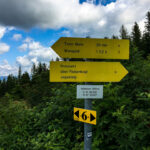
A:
x: 77, y: 113
x: 92, y: 117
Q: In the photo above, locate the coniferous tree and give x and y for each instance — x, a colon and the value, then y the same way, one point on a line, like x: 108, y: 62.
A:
x: 44, y: 67
x: 114, y: 37
x: 146, y: 36
x: 19, y: 73
x: 10, y: 83
x: 39, y: 68
x: 33, y: 69
x: 106, y: 37
x: 25, y: 79
x: 0, y: 86
x: 57, y: 59
x: 123, y: 33
x: 147, y: 23
x: 3, y: 87
x: 136, y: 35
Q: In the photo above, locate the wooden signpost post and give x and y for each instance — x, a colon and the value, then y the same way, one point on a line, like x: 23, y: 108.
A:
x: 75, y: 71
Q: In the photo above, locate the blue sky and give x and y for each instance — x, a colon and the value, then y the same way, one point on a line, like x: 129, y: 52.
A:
x: 29, y: 28
x: 97, y: 2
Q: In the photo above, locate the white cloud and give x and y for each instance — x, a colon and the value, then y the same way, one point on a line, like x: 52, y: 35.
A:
x: 28, y: 40
x: 2, y: 31
x: 23, y: 47
x: 23, y: 61
x: 4, y: 48
x: 10, y: 28
x: 86, y: 18
x: 37, y: 53
x: 6, y: 68
x: 34, y: 45
x: 65, y: 33
x: 43, y: 54
x: 102, y: 22
x: 17, y: 37
x: 142, y: 24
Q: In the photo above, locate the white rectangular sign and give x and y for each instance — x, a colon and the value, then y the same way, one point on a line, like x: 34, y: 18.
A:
x: 89, y: 91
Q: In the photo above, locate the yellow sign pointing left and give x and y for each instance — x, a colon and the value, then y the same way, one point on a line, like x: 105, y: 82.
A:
x: 84, y: 115
x: 92, y: 48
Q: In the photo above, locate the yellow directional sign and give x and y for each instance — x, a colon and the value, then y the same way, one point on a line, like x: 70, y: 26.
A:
x: 74, y: 71
x: 92, y: 48
x: 84, y: 115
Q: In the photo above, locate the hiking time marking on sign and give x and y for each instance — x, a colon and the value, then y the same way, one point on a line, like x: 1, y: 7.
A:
x: 68, y: 47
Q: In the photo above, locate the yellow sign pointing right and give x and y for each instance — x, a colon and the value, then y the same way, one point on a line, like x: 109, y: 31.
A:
x: 74, y: 71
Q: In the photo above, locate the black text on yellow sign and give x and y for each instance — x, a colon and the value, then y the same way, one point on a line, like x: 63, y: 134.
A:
x: 84, y: 115
x: 74, y: 71
x: 68, y: 47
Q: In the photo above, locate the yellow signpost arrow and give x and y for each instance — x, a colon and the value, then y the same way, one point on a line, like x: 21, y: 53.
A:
x: 84, y: 115
x: 74, y: 71
x: 92, y: 48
